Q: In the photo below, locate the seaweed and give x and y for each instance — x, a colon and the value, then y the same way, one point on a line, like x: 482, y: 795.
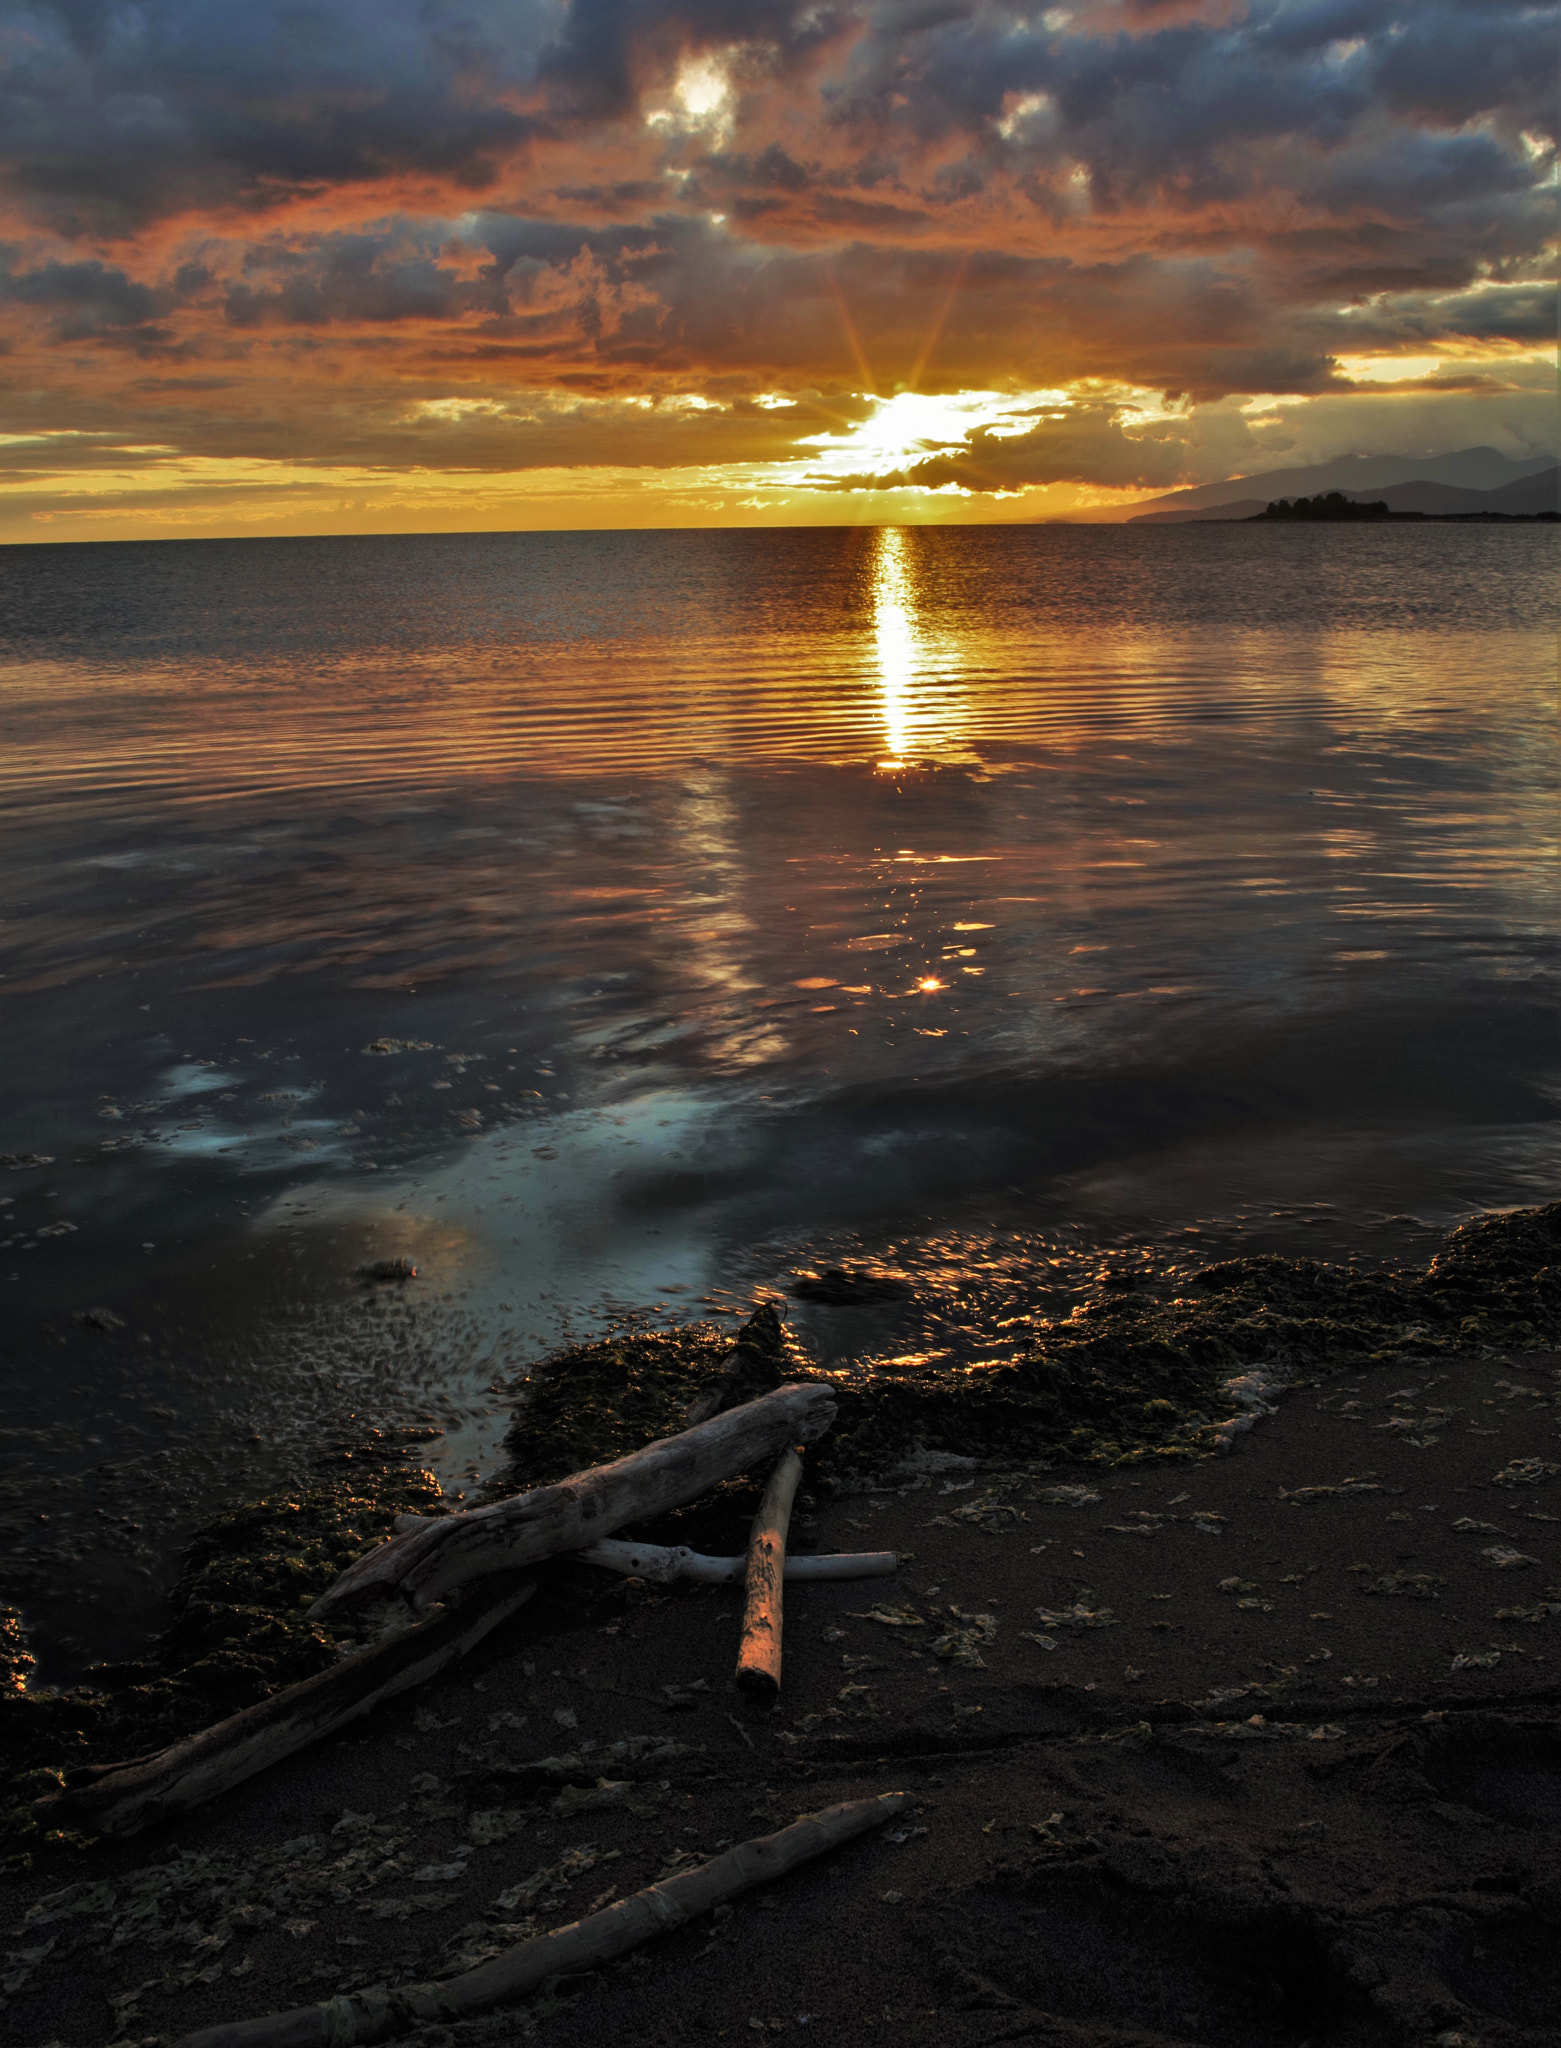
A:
x: 238, y: 1629
x: 595, y: 1402
x: 1121, y: 1379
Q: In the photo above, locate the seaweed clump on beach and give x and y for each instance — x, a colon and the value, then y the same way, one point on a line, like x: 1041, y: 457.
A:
x: 239, y: 1629
x: 595, y: 1402
x: 1123, y: 1378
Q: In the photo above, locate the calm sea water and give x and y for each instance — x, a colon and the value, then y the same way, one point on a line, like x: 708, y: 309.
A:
x: 617, y: 924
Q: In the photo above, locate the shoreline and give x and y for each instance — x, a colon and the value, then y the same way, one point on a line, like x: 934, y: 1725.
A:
x: 1146, y: 1370
x: 1298, y: 1758
x: 1278, y: 1700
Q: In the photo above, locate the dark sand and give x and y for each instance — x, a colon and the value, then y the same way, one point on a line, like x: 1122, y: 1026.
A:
x: 1261, y: 1806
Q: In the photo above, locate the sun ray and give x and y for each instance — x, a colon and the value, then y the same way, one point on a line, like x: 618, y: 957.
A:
x: 919, y: 367
x: 853, y: 339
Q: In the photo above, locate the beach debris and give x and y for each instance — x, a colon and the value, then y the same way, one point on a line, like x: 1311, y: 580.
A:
x: 1250, y: 1391
x: 1501, y: 1557
x: 759, y: 1652
x: 1366, y: 1483
x: 97, y: 1319
x: 1031, y: 1635
x: 493, y: 1824
x: 1078, y: 1616
x: 585, y: 1764
x: 963, y: 1644
x: 120, y: 1799
x: 1467, y: 1526
x: 379, y: 2013
x: 388, y: 1269
x: 14, y: 1162
x: 1407, y: 1585
x: 892, y: 1617
x: 1521, y: 1471
x: 391, y: 1045
x: 988, y: 1511
x: 424, y: 1564
x: 587, y: 1798
x: 665, y: 1565
x: 1476, y: 1660
x: 1066, y: 1496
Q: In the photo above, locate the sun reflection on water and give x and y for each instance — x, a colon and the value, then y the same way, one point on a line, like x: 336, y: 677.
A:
x: 923, y: 698
x: 894, y: 622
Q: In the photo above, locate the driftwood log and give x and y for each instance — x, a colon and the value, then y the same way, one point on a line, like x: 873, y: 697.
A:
x: 759, y: 1654
x: 378, y: 2014
x: 425, y: 1563
x: 120, y: 1799
x: 664, y: 1565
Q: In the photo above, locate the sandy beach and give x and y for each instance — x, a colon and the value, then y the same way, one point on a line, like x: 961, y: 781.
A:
x: 1257, y: 1748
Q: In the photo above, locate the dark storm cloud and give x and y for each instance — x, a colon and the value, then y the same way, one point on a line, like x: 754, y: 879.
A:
x: 93, y: 302
x: 353, y: 279
x: 115, y: 114
x: 111, y: 114
x: 340, y: 204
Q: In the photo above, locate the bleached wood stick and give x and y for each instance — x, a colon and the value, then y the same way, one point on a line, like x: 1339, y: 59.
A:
x: 759, y: 1655
x: 424, y: 1564
x: 121, y: 1799
x: 377, y: 2014
x: 664, y: 1565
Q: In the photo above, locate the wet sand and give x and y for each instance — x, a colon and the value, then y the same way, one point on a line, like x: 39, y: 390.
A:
x: 1283, y: 1769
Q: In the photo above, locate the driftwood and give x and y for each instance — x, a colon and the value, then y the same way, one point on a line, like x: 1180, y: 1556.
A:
x: 425, y: 1563
x: 377, y: 2014
x: 759, y: 1654
x: 664, y: 1565
x: 120, y: 1799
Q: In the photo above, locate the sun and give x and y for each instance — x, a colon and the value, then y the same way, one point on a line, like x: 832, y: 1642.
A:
x: 911, y: 425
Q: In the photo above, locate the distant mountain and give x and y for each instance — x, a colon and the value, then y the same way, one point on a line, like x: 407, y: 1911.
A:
x: 1540, y: 492
x: 1537, y: 491
x: 1466, y: 469
x: 1238, y: 508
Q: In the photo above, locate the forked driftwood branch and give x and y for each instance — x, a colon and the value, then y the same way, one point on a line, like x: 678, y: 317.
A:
x: 759, y: 1653
x: 120, y: 1799
x: 377, y: 2015
x: 425, y: 1563
x: 665, y: 1566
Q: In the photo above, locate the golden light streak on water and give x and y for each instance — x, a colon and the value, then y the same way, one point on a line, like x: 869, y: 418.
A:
x: 894, y: 628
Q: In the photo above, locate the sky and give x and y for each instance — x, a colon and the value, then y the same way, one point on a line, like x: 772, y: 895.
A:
x: 322, y: 266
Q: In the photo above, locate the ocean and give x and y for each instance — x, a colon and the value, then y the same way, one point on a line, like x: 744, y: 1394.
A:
x: 619, y: 925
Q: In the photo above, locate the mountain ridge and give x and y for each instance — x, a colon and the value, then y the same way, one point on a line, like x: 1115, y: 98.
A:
x: 1476, y: 470
x: 1522, y: 498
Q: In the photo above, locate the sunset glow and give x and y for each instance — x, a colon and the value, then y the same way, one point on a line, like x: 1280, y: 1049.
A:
x: 385, y: 270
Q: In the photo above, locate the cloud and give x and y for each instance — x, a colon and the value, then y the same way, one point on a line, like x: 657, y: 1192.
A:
x: 330, y: 213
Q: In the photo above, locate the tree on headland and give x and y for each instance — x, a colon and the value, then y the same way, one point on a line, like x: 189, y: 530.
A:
x: 1330, y: 505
